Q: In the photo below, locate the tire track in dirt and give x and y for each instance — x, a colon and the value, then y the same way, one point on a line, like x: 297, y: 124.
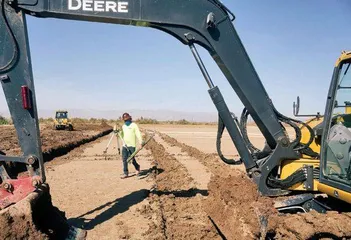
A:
x: 242, y: 213
x: 175, y: 202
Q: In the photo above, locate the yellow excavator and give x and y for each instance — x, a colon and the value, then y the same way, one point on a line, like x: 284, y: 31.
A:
x: 334, y: 146
x: 316, y: 160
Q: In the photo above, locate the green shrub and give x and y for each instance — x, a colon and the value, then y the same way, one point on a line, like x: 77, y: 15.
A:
x: 4, y: 121
x: 147, y: 121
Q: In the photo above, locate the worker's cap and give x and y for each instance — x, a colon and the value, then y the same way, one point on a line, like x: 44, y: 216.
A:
x: 126, y: 116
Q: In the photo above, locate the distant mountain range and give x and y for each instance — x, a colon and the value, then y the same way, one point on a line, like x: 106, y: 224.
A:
x: 161, y: 115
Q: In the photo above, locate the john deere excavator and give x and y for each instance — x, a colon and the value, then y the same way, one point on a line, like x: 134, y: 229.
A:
x: 317, y: 160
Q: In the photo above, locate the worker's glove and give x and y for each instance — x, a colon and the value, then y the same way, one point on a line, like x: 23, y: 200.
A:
x: 142, y: 144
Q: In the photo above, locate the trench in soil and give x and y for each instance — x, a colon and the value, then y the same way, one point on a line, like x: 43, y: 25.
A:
x: 241, y: 213
x: 172, y: 209
x: 176, y: 199
x: 62, y: 150
x: 57, y: 150
x: 178, y: 209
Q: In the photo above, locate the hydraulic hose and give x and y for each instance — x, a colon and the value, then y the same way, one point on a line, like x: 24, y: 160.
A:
x: 257, y: 153
x: 290, y: 121
x: 296, y: 177
x: 220, y: 130
x: 298, y: 146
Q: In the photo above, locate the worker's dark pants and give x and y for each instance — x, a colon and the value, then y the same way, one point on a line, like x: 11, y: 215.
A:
x: 125, y: 156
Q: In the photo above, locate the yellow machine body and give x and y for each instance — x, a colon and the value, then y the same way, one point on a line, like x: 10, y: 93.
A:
x: 62, y: 121
x: 305, y: 134
x: 288, y: 167
x: 334, y: 192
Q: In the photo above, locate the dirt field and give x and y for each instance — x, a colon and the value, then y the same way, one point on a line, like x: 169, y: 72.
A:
x: 184, y: 192
x: 203, y: 137
x: 52, y: 139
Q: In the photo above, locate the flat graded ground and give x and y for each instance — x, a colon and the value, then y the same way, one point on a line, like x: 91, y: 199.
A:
x: 89, y: 189
x: 165, y: 202
x: 203, y: 137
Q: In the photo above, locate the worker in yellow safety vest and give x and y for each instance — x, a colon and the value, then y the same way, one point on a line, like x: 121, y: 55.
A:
x: 130, y: 133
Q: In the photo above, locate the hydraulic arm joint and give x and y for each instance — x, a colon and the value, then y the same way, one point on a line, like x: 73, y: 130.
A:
x: 207, y: 23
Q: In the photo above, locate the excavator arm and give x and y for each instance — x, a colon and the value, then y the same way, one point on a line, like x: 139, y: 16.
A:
x: 207, y: 23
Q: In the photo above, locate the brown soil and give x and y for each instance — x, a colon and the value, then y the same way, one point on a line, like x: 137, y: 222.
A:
x: 51, y: 139
x: 174, y: 208
x: 54, y: 143
x: 18, y: 227
x: 210, y: 160
x: 235, y: 206
x: 238, y: 210
x: 36, y: 218
x: 177, y: 205
x: 33, y: 217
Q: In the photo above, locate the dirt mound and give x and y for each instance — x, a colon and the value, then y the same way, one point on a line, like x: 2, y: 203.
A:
x: 54, y: 143
x: 91, y: 126
x: 50, y: 138
x: 235, y: 206
x: 176, y: 176
x: 8, y: 140
x: 19, y: 226
x: 210, y: 160
x: 312, y: 225
x: 36, y: 218
x: 240, y: 212
x: 174, y: 204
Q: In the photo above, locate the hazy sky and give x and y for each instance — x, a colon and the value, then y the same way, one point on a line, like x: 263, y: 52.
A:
x: 292, y: 44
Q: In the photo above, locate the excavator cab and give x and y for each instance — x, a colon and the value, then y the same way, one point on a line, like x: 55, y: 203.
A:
x: 335, y: 177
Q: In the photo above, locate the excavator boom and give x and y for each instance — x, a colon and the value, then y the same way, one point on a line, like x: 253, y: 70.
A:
x: 207, y: 23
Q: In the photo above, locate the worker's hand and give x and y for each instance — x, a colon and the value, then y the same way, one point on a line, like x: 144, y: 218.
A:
x: 142, y: 144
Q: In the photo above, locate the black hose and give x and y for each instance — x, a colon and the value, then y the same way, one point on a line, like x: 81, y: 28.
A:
x: 297, y: 145
x: 220, y: 130
x: 297, y: 177
x: 290, y: 121
x: 309, y: 152
x: 257, y: 153
x: 14, y: 57
x: 243, y: 129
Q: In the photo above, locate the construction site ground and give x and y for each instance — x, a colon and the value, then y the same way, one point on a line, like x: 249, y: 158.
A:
x: 184, y: 191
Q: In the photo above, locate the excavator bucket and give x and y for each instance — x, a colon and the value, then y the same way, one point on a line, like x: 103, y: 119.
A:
x: 34, y: 217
